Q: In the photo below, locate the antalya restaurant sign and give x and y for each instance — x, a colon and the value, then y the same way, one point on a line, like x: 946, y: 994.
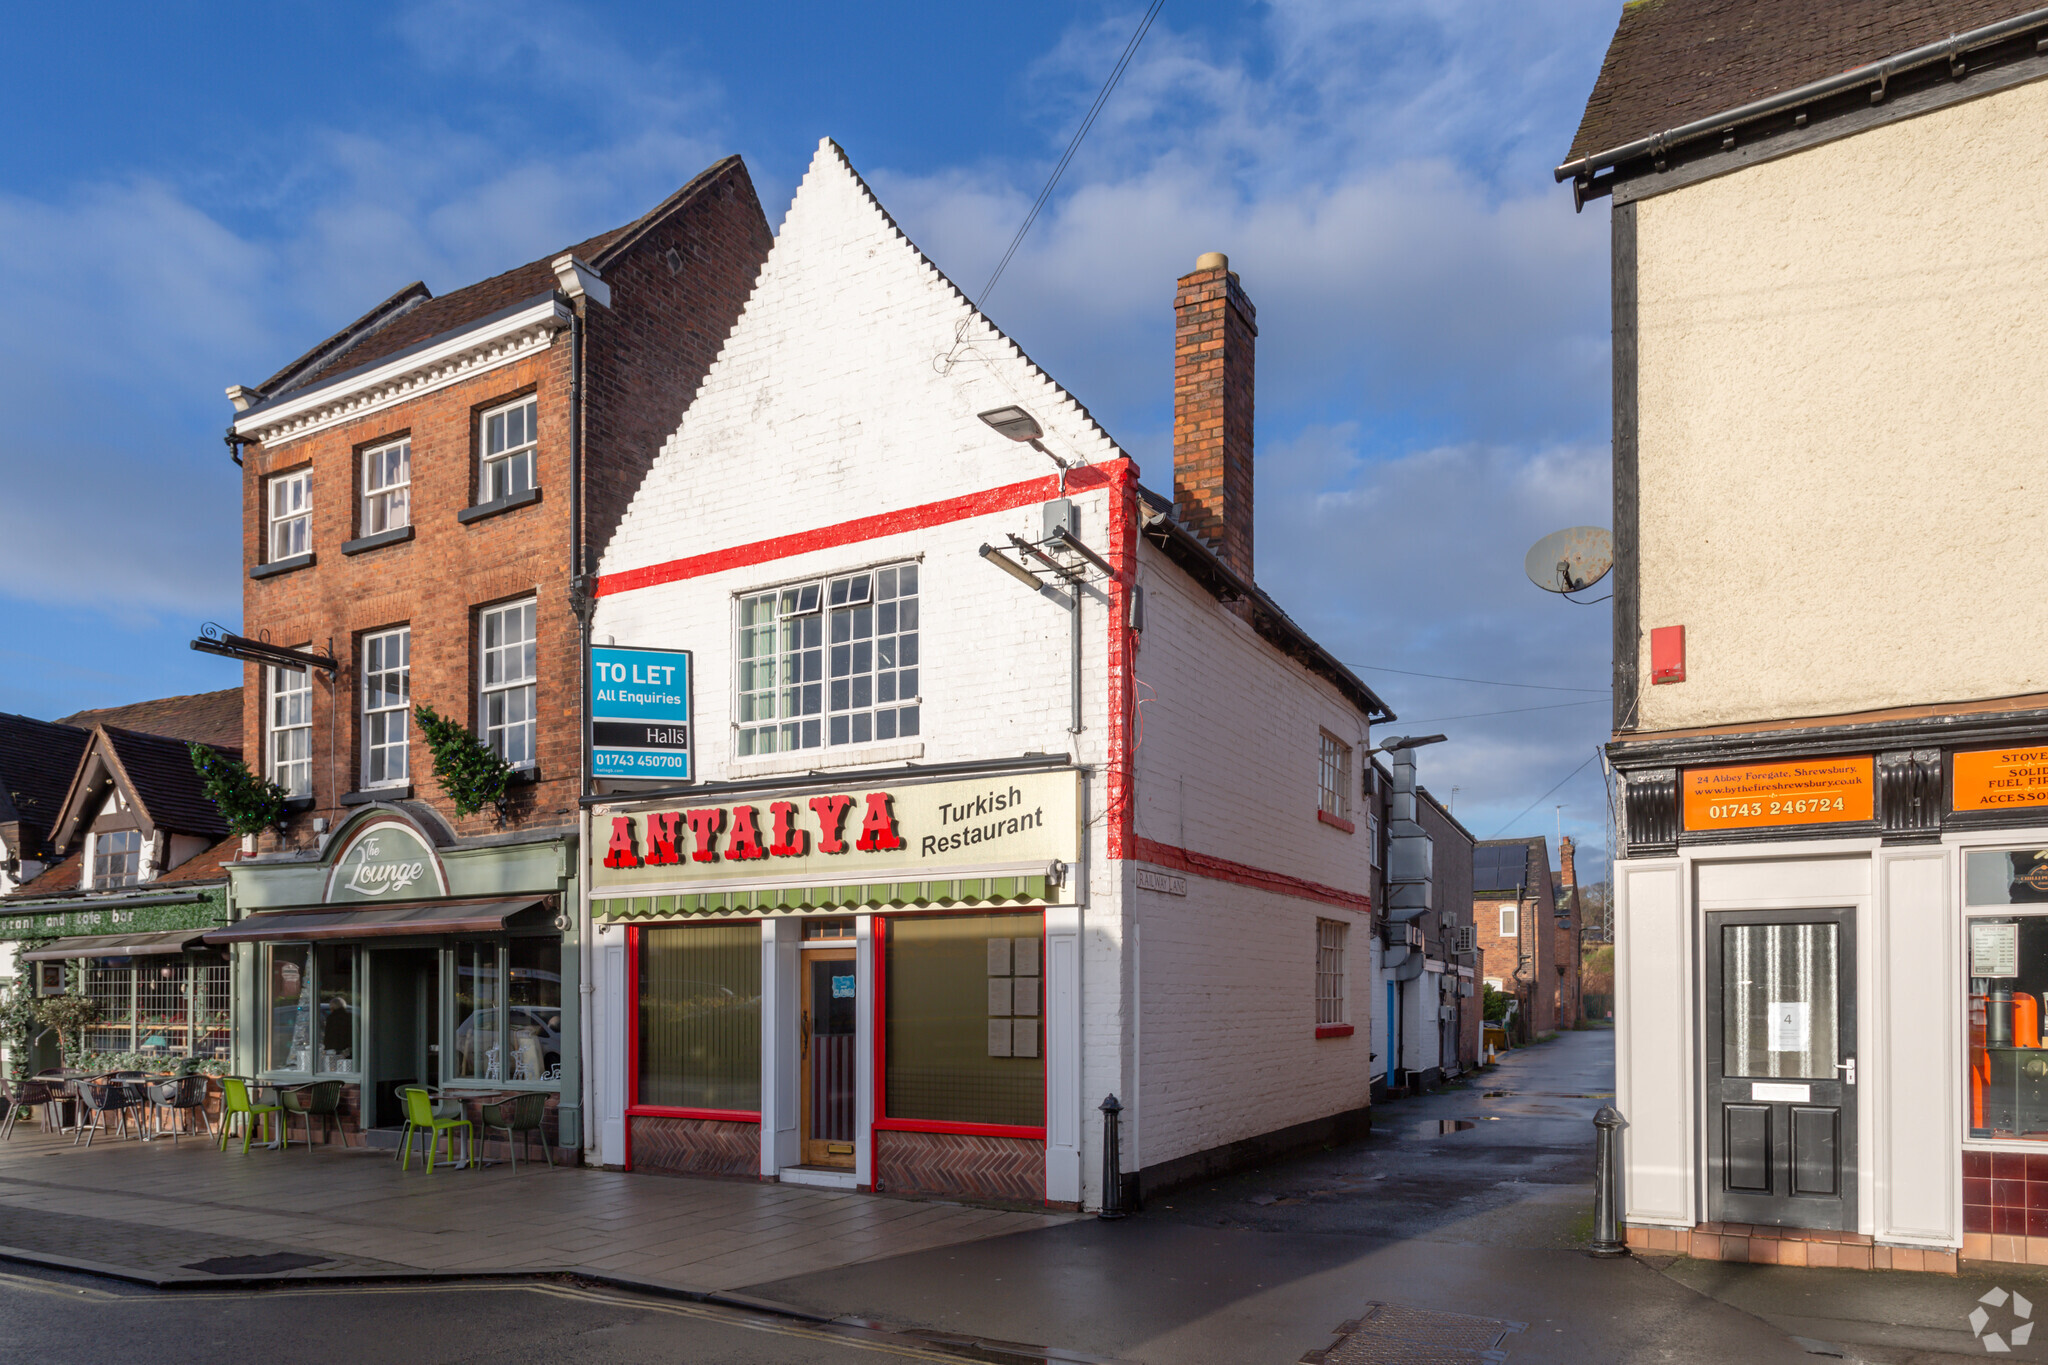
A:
x: 898, y: 832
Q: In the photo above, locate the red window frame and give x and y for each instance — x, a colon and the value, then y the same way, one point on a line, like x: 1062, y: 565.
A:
x: 881, y: 1122
x: 635, y: 1109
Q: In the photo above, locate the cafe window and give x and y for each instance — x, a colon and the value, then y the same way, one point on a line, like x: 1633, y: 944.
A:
x: 700, y: 1017
x: 508, y: 1010
x: 117, y: 857
x: 163, y: 1004
x: 289, y: 996
x: 334, y: 980
x: 291, y: 515
x: 509, y: 442
x: 157, y: 1005
x: 290, y: 738
x: 387, y: 702
x: 964, y: 1040
x: 112, y: 988
x: 387, y: 488
x: 506, y: 704
x: 2005, y: 894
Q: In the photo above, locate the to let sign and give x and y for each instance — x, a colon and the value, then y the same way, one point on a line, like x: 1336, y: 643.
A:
x: 640, y: 713
x: 1999, y: 779
x: 1817, y: 791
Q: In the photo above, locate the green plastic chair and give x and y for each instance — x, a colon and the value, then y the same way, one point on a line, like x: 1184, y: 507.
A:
x: 420, y: 1118
x: 234, y: 1099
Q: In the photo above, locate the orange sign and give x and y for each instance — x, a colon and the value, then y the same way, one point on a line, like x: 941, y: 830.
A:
x: 1815, y: 791
x: 1994, y: 779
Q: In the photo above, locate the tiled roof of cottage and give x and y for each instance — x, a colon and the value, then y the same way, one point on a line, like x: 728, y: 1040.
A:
x: 37, y: 759
x: 1674, y: 61
x: 210, y: 718
x: 165, y: 784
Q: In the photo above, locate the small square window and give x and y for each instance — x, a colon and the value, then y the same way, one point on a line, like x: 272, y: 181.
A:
x: 291, y: 515
x: 387, y: 488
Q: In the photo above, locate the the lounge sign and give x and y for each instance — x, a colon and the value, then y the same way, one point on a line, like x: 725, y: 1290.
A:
x: 893, y: 832
x: 385, y: 861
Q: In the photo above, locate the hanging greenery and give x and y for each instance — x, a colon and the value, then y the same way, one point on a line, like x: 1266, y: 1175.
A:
x: 247, y: 802
x: 469, y: 771
x: 19, y: 1024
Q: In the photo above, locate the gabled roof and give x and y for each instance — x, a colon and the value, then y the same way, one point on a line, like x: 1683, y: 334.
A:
x: 413, y: 314
x: 63, y: 878
x: 1674, y: 61
x: 154, y: 772
x: 37, y: 760
x: 210, y: 718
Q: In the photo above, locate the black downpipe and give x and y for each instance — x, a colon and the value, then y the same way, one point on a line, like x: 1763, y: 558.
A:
x: 580, y: 598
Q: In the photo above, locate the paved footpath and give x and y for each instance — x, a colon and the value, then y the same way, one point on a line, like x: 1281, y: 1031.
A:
x: 154, y: 1211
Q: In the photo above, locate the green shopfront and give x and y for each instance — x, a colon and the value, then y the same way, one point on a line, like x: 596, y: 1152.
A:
x: 397, y: 956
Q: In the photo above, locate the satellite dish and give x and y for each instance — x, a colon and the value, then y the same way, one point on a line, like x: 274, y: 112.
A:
x: 1570, y: 560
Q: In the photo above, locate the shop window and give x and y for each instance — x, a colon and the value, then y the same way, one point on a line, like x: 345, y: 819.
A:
x: 509, y: 668
x: 2008, y: 967
x: 291, y: 515
x: 829, y: 663
x: 387, y: 702
x: 479, y: 1055
x: 213, y: 1001
x: 1333, y: 776
x: 387, y: 488
x: 117, y: 857
x: 1330, y: 971
x: 112, y: 988
x: 334, y: 978
x: 700, y: 1017
x: 289, y: 989
x: 509, y: 443
x: 533, y: 1008
x: 964, y: 1042
x: 163, y: 1003
x: 289, y: 743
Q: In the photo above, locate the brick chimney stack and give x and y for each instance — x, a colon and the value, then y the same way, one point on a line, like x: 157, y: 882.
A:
x: 1215, y: 337
x: 1565, y: 872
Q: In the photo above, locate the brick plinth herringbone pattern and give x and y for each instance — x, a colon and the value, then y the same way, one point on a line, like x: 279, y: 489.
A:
x: 695, y: 1146
x: 951, y: 1163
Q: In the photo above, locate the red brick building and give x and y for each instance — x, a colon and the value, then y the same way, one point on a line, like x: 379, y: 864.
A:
x: 419, y: 493
x: 1514, y: 913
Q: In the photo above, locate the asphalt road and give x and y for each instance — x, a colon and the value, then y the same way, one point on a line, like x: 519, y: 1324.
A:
x: 61, y: 1319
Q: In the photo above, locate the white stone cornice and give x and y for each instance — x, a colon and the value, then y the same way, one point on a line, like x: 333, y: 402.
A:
x: 459, y: 357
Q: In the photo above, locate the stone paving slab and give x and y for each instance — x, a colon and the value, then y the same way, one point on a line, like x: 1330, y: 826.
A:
x: 153, y: 1208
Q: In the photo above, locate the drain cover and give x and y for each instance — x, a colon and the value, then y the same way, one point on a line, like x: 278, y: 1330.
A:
x: 1409, y: 1336
x: 272, y: 1264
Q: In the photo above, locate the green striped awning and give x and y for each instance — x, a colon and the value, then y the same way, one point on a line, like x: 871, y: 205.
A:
x: 790, y: 900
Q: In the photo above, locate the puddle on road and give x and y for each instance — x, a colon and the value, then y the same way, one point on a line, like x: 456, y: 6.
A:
x: 1439, y: 1127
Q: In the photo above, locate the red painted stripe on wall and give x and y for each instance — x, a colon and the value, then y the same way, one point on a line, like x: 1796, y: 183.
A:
x: 1244, y: 874
x: 981, y: 504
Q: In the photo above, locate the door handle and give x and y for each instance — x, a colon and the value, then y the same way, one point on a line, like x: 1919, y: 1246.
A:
x: 804, y: 1035
x: 1849, y: 1068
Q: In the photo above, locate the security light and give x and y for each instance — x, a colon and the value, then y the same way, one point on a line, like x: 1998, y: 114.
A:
x: 1011, y: 567
x: 1013, y: 422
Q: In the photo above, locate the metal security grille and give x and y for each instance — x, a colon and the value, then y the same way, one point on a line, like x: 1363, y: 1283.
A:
x: 214, y: 999
x: 162, y: 1007
x: 113, y: 990
x: 1329, y: 971
x: 1409, y: 1336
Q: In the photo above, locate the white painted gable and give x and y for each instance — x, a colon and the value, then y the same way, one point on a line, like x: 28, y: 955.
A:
x: 848, y: 388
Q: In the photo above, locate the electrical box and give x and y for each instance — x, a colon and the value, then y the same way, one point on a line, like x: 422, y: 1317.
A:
x: 1667, y: 654
x: 1062, y: 515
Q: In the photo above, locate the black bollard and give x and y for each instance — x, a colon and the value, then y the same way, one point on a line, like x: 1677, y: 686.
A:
x: 1112, y: 1160
x: 1607, y: 1235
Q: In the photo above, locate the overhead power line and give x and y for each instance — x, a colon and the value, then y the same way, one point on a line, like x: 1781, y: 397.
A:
x: 1511, y: 711
x: 1484, y: 682
x: 1101, y: 98
x: 1546, y: 796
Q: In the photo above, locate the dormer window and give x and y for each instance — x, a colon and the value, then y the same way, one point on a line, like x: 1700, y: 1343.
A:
x: 116, y: 858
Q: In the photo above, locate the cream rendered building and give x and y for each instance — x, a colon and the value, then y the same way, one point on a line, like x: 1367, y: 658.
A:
x: 1831, y: 671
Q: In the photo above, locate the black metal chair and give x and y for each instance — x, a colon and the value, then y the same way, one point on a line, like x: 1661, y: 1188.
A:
x: 182, y: 1096
x: 518, y: 1118
x: 104, y: 1095
x: 321, y: 1100
x: 26, y: 1095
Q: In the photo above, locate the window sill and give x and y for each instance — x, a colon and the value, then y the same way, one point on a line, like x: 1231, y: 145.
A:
x: 492, y: 509
x: 1336, y: 821
x: 808, y: 760
x: 396, y: 536
x: 298, y: 803
x: 1335, y: 1030
x: 278, y: 566
x: 374, y: 794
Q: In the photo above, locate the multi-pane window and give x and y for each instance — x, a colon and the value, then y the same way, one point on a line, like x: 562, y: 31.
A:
x: 291, y: 515
x: 387, y: 487
x: 1372, y: 837
x: 1330, y: 971
x: 1509, y: 921
x: 508, y: 450
x: 781, y: 670
x: 117, y: 857
x: 387, y: 701
x: 113, y: 990
x: 831, y: 663
x: 290, y: 718
x: 506, y: 701
x: 1333, y: 776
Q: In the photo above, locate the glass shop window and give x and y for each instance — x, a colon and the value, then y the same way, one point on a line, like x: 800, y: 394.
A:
x: 290, y: 988
x: 533, y: 1008
x: 110, y: 984
x: 163, y: 1001
x: 340, y: 1006
x: 2007, y: 959
x: 479, y: 1053
x: 964, y: 1005
x: 700, y: 1017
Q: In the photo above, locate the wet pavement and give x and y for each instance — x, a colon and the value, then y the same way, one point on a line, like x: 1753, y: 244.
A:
x: 1265, y: 1266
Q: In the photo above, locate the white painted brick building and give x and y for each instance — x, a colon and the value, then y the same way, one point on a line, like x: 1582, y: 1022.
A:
x: 1204, y: 913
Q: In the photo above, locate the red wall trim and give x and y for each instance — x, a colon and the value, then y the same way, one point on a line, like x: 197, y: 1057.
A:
x: 1083, y: 479
x: 1336, y: 821
x: 658, y: 1111
x: 1126, y: 730
x: 1334, y: 1030
x: 1224, y: 870
x: 969, y: 1129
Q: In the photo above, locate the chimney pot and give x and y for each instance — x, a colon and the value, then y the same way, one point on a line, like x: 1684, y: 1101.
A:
x: 1212, y: 260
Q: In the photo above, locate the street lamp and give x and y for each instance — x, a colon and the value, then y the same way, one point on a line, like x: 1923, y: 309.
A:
x: 1396, y: 743
x: 1019, y: 425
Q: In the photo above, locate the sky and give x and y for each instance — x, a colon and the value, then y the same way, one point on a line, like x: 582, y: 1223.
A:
x: 189, y: 205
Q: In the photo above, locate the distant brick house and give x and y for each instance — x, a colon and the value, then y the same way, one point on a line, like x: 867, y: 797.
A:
x: 419, y: 493
x: 1567, y: 960
x: 1514, y: 910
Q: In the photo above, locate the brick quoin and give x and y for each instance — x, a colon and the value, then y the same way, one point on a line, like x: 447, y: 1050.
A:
x: 644, y: 357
